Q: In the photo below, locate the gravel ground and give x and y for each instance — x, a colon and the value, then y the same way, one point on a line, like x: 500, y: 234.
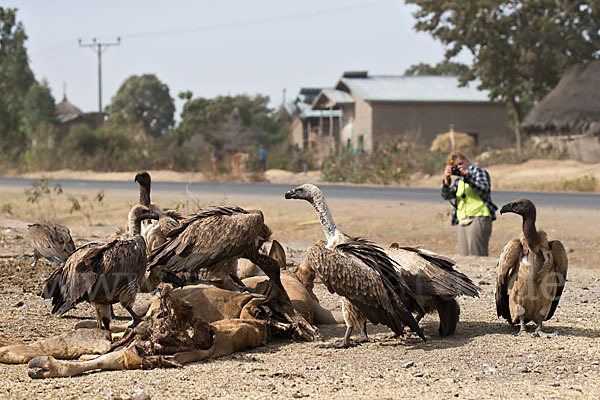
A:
x: 482, y: 360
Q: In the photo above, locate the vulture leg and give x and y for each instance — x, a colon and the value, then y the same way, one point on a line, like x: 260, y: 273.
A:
x: 347, y: 336
x: 340, y: 343
x: 538, y: 329
x: 363, y: 333
x: 103, y: 316
x: 36, y: 257
x: 523, y: 330
x: 136, y: 318
x: 238, y: 285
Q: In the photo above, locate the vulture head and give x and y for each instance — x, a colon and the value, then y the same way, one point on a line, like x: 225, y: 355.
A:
x: 523, y: 207
x: 143, y: 179
x: 306, y: 192
x: 139, y: 213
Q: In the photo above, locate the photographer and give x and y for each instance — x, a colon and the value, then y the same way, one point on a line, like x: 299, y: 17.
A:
x: 473, y: 208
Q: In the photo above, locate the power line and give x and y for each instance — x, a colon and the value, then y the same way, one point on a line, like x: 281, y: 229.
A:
x: 99, y: 48
x: 253, y: 22
x: 44, y: 52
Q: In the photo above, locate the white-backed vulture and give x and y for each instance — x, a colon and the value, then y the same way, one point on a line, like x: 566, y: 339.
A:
x: 51, y: 241
x: 435, y: 282
x: 103, y: 273
x: 531, y: 272
x: 359, y: 271
x: 206, y: 246
x: 155, y: 232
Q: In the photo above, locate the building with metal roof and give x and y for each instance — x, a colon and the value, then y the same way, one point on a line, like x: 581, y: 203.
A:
x: 401, y: 108
x: 314, y: 129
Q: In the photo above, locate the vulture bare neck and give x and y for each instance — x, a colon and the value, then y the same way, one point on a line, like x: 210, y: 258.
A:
x: 325, y: 218
x: 145, y: 196
x: 532, y: 237
x: 135, y: 226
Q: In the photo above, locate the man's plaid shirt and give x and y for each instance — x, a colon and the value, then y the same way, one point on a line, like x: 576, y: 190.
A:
x: 479, y: 180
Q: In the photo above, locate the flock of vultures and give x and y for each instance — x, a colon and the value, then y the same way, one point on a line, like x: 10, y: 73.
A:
x: 209, y: 304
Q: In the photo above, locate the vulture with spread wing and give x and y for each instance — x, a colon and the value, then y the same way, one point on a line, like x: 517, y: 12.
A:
x: 531, y: 272
x: 206, y: 246
x: 51, y: 241
x: 362, y: 273
x: 103, y: 273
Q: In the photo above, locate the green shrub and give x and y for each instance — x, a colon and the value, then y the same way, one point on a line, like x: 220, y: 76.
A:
x: 381, y: 167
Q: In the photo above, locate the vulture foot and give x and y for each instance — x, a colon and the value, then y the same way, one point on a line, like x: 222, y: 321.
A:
x: 523, y: 333
x: 542, y: 334
x: 339, y: 344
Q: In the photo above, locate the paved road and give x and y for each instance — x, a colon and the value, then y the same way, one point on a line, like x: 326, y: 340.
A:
x: 541, y: 199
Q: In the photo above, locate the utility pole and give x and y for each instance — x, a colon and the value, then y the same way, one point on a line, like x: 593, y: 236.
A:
x: 99, y: 48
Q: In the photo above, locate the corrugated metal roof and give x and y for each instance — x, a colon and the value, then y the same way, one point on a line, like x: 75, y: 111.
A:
x: 413, y: 88
x: 337, y: 96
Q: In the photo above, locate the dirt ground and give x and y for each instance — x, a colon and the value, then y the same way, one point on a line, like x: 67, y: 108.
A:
x: 482, y: 360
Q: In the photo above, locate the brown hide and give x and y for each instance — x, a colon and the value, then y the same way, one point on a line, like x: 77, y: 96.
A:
x: 301, y: 299
x: 306, y: 275
x: 67, y: 346
x: 230, y: 336
x: 50, y: 367
x: 246, y: 268
x: 210, y: 303
x: 297, y: 293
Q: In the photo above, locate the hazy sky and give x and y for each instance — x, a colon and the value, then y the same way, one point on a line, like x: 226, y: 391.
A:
x: 222, y: 47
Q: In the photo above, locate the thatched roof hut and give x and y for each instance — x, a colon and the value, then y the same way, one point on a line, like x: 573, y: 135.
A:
x: 572, y: 107
x: 568, y: 118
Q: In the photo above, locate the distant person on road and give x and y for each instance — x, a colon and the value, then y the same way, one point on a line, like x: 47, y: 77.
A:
x: 473, y: 210
x: 213, y: 160
x: 262, y: 157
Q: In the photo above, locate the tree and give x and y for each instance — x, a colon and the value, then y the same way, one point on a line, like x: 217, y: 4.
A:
x: 144, y: 99
x: 230, y: 123
x: 38, y: 106
x: 15, y: 79
x: 520, y: 48
x: 445, y: 68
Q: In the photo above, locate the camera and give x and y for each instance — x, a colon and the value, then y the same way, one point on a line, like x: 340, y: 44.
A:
x: 456, y: 171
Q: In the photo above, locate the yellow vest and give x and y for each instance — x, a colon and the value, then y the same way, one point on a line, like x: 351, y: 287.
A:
x: 468, y: 202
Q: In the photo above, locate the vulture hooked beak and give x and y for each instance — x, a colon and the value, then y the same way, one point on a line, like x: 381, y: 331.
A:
x: 291, y: 194
x: 152, y: 215
x: 143, y: 178
x: 507, y: 208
